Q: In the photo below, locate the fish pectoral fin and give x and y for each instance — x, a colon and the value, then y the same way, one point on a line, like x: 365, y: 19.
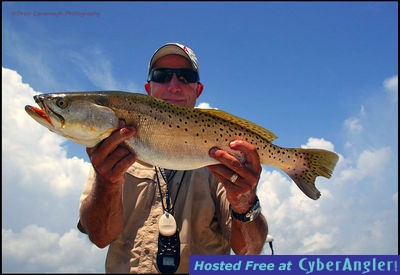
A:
x: 264, y: 133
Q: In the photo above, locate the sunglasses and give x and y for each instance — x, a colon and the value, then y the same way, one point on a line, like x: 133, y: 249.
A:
x: 164, y: 75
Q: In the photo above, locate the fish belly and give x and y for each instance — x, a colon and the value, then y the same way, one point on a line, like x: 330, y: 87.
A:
x: 171, y: 147
x: 171, y: 155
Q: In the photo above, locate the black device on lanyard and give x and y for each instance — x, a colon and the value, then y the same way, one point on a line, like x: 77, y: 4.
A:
x: 169, y: 253
x: 169, y: 244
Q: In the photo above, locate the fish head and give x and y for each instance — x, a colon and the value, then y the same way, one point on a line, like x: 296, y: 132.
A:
x: 78, y: 117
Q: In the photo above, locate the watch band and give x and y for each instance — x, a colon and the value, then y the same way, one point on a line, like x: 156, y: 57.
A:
x: 249, y: 215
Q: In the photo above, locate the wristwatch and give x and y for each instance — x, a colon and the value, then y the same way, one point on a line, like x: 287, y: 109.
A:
x: 249, y: 215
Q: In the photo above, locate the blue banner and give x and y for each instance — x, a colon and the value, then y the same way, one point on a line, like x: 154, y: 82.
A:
x: 283, y: 264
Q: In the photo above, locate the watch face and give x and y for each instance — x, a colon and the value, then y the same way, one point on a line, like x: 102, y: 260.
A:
x: 251, y: 216
x: 254, y: 211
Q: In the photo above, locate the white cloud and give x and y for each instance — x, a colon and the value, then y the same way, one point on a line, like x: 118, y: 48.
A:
x: 391, y: 85
x: 297, y: 223
x: 354, y: 124
x: 319, y: 143
x: 40, y: 185
x: 35, y: 249
x: 204, y: 105
x: 370, y: 164
x: 37, y: 152
x: 320, y: 242
x: 98, y: 69
x: 32, y: 54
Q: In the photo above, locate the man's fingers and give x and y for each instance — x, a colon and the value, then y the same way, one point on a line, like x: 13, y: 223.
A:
x: 233, y: 165
x: 250, y: 152
x: 123, y: 164
x: 224, y: 172
x: 227, y: 159
x: 111, y: 143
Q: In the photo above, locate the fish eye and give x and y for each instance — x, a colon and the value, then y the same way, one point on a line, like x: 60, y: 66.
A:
x: 62, y: 103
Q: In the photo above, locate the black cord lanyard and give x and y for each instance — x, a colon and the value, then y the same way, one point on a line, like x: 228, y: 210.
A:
x: 168, y: 208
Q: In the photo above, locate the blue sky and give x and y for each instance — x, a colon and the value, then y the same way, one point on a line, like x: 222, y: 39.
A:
x: 317, y: 74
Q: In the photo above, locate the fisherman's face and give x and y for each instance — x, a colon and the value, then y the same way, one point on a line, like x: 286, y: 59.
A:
x: 175, y: 91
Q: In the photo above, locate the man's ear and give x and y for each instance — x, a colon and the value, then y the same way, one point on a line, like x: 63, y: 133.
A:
x: 147, y: 87
x: 200, y: 88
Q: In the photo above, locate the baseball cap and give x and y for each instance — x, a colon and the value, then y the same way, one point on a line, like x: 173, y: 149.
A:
x: 175, y: 48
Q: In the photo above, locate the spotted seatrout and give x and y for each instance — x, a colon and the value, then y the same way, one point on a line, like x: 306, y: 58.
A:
x: 172, y: 136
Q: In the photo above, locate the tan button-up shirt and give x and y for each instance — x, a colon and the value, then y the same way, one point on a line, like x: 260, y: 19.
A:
x: 201, y: 212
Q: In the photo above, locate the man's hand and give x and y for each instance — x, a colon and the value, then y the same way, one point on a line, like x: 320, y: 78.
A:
x: 242, y: 192
x: 111, y: 158
x: 246, y: 237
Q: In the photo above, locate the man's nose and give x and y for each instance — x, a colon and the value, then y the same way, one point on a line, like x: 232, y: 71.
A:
x: 174, y: 85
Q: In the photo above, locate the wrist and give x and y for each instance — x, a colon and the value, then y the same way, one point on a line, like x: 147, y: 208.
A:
x: 250, y: 215
x: 106, y: 184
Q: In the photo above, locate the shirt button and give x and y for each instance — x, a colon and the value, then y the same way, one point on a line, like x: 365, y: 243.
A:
x: 146, y: 250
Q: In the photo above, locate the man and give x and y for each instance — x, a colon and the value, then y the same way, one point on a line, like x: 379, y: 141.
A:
x: 129, y: 205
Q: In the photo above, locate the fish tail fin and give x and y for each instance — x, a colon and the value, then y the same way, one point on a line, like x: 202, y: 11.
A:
x: 308, y: 164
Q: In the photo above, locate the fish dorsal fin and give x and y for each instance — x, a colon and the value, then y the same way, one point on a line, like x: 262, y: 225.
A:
x: 264, y: 133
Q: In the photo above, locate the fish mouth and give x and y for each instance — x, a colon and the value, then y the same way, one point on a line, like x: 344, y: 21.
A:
x: 41, y: 114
